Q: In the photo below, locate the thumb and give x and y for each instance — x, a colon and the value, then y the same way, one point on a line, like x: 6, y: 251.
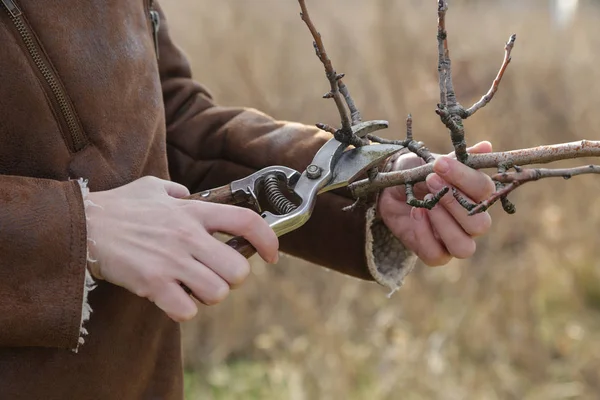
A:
x: 481, y: 147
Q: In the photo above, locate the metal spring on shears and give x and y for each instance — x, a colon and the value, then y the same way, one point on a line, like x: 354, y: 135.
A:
x: 276, y: 197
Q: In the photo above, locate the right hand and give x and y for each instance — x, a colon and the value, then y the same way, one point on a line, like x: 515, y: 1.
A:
x: 148, y: 240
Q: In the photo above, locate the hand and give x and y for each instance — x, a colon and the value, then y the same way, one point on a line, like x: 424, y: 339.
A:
x: 149, y: 240
x: 445, y: 231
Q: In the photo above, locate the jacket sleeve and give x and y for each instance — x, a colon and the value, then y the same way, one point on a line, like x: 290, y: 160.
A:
x: 210, y: 145
x: 43, y: 249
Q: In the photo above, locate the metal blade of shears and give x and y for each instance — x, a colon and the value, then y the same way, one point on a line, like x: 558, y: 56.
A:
x: 354, y: 162
x: 320, y: 176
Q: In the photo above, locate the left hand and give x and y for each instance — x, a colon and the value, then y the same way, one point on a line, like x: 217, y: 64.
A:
x: 446, y: 231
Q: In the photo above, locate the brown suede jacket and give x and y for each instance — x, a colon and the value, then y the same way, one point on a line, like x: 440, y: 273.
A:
x: 88, y: 91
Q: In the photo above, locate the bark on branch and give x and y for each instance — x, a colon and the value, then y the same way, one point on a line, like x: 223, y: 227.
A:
x: 509, y: 159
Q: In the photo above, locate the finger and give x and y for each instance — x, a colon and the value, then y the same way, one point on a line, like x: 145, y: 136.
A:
x: 479, y: 148
x: 424, y: 243
x: 227, y: 263
x: 475, y: 225
x: 472, y: 182
x: 173, y: 300
x: 206, y: 286
x: 454, y: 238
x: 420, y: 190
x: 407, y: 161
x: 238, y: 221
x: 170, y: 188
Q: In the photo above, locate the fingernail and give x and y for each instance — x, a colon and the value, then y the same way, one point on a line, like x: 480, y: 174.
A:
x: 441, y: 166
x: 417, y: 214
x: 275, y: 259
x: 435, y: 182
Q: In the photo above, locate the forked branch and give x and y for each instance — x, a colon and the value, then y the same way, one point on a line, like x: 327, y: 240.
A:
x: 451, y: 114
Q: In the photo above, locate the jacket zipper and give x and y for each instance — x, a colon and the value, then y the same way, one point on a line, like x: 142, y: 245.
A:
x: 70, y: 122
x: 155, y: 20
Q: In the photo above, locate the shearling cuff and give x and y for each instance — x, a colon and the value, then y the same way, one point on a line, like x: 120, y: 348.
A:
x: 89, y: 283
x: 389, y: 261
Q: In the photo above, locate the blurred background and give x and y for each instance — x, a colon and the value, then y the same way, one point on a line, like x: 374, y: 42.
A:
x: 521, y: 319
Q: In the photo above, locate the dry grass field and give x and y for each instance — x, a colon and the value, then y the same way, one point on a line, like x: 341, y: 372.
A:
x: 521, y: 319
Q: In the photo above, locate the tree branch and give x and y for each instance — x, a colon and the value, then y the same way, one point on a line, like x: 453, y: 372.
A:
x: 521, y: 157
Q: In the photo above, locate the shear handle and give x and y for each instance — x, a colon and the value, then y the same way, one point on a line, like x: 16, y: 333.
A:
x: 222, y: 195
x: 242, y: 246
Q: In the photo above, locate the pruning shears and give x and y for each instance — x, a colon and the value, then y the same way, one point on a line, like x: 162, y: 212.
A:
x: 286, y: 197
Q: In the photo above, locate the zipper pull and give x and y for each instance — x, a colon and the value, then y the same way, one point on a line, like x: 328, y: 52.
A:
x: 155, y: 18
x: 12, y: 8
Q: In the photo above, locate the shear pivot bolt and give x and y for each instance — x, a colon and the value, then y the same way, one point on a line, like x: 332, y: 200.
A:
x: 313, y: 171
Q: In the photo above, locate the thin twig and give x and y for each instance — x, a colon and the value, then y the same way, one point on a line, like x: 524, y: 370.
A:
x: 442, y: 48
x: 490, y: 94
x: 330, y: 72
x: 358, y: 204
x: 409, y: 134
x: 502, y: 193
x: 516, y: 179
x: 506, y: 204
x: 326, y: 128
x: 412, y: 145
x: 419, y: 149
x: 533, y: 174
x: 429, y: 203
x: 462, y: 200
x: 354, y: 113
